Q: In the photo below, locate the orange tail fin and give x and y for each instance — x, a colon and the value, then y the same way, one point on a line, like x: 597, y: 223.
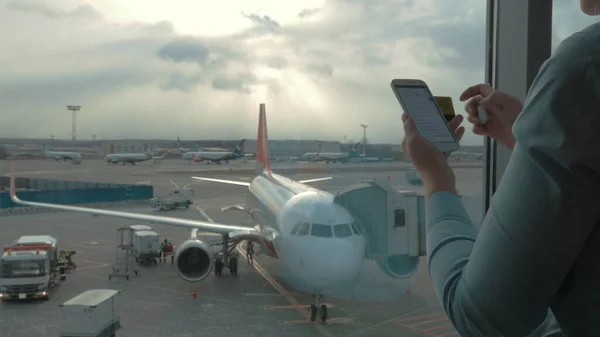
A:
x: 263, y: 156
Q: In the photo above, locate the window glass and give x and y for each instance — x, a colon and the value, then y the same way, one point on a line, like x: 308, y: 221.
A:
x: 342, y: 231
x: 322, y: 231
x: 296, y: 228
x: 304, y: 230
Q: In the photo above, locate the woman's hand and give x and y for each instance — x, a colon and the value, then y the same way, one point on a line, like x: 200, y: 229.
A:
x: 502, y: 108
x: 430, y: 162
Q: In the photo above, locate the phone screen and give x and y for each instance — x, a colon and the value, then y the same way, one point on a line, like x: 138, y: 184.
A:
x: 420, y: 105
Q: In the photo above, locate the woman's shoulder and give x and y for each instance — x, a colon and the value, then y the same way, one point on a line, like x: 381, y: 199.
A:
x: 580, y: 49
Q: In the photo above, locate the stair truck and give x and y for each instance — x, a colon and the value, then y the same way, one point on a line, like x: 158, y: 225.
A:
x: 28, y: 268
x: 92, y: 313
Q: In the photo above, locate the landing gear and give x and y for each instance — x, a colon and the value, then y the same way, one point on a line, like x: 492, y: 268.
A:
x: 317, y: 310
x: 227, y: 257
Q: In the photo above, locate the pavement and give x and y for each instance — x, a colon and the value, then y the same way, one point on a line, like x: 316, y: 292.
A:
x: 257, y: 302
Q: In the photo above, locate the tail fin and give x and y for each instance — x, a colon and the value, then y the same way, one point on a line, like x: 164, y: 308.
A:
x: 239, y: 149
x: 263, y: 156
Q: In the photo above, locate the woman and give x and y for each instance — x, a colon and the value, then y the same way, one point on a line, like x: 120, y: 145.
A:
x: 539, y: 245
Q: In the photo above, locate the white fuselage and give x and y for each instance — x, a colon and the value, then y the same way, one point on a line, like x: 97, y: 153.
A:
x: 63, y: 155
x: 321, y: 257
x: 127, y: 157
x: 203, y: 155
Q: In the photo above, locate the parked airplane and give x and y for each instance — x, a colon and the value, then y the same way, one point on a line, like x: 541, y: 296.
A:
x: 74, y: 157
x: 314, y: 237
x: 332, y: 157
x: 131, y: 158
x: 216, y: 157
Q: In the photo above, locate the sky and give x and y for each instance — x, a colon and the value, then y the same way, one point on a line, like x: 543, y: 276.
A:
x: 199, y: 69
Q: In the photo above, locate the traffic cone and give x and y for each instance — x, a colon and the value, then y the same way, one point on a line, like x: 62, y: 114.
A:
x: 407, y: 289
x: 194, y: 296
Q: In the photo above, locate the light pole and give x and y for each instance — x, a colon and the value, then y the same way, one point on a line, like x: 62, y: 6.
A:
x: 364, y: 126
x: 74, y: 109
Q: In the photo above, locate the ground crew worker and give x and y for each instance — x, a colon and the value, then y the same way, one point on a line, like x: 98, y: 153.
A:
x: 250, y: 252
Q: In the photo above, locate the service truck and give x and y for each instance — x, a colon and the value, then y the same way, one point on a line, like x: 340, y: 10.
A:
x: 146, y: 246
x: 91, y: 313
x: 28, y: 268
x: 178, y: 197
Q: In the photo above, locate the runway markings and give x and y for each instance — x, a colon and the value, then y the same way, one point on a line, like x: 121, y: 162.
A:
x: 432, y: 324
x: 335, y: 320
x: 92, y: 264
x: 174, y: 184
x: 203, y: 212
x: 296, y: 305
x: 270, y: 307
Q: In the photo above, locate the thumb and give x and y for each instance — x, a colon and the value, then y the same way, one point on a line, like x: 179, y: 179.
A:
x: 410, y: 128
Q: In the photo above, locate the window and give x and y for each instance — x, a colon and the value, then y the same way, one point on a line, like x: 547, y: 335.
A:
x: 304, y: 229
x: 322, y: 231
x: 296, y: 228
x: 355, y: 229
x: 399, y: 218
x: 342, y: 231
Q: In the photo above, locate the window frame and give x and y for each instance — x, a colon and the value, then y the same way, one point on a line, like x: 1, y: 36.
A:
x: 518, y: 42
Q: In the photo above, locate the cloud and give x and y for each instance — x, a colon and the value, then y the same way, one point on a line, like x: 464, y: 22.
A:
x: 322, y: 70
x: 82, y: 11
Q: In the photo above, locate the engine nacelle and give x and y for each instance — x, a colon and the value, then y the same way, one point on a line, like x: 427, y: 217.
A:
x: 193, y: 260
x: 398, y: 266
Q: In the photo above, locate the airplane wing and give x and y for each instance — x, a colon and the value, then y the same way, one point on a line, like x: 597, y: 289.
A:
x: 175, y: 222
x: 242, y: 183
x: 231, y: 182
x: 314, y: 180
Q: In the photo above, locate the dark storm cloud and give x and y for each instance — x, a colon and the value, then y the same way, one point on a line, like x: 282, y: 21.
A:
x: 50, y: 11
x: 185, y: 50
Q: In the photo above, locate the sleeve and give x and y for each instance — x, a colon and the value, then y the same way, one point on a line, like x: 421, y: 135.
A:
x: 504, y: 282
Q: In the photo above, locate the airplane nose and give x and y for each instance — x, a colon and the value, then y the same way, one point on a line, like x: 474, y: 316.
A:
x: 342, y: 262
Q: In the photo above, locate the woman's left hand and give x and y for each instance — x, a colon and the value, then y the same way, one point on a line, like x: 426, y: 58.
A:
x: 430, y: 162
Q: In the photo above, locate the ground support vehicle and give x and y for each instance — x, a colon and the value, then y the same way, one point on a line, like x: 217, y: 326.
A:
x: 29, y: 268
x: 146, y: 247
x: 91, y: 313
x: 177, y: 198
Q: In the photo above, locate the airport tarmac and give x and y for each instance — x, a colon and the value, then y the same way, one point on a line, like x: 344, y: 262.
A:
x: 256, y: 302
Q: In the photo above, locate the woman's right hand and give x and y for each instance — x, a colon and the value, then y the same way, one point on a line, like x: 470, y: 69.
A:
x: 502, y: 110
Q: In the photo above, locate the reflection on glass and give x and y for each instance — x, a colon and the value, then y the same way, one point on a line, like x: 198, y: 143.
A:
x: 322, y: 231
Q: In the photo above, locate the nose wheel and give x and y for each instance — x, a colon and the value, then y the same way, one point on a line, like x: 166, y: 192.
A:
x: 317, y: 310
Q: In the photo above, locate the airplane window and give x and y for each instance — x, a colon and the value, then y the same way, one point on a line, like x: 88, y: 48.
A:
x: 304, y: 230
x: 322, y: 231
x: 342, y: 231
x: 296, y: 228
x: 354, y: 229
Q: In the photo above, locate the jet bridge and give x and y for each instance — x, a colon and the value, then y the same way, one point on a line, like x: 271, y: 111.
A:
x: 393, y: 223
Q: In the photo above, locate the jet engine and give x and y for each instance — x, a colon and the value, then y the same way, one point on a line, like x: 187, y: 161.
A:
x: 193, y: 260
x: 398, y: 266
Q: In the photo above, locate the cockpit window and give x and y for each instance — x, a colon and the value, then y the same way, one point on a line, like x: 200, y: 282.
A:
x: 355, y: 229
x: 322, y: 231
x: 342, y: 231
x: 304, y: 230
x: 296, y: 228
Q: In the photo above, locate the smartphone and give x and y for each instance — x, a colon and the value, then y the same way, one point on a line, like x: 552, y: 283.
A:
x: 416, y: 100
x: 446, y: 107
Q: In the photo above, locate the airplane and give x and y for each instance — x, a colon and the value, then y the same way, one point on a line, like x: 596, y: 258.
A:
x: 131, y: 158
x: 157, y: 159
x: 316, y: 239
x: 215, y: 157
x: 75, y: 157
x: 333, y: 157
